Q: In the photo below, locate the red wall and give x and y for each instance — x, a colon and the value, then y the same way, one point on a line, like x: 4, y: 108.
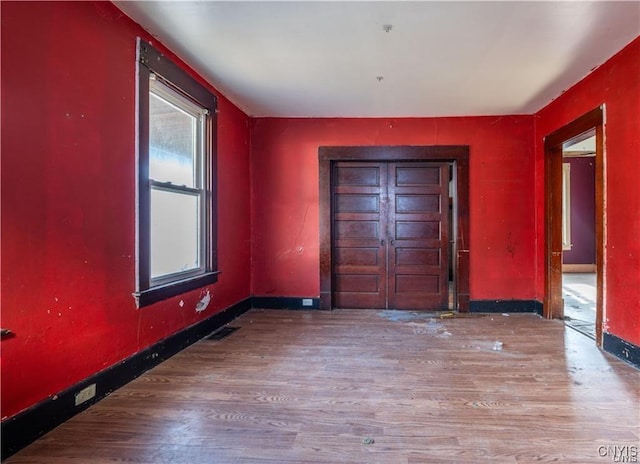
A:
x: 68, y: 201
x: 68, y: 192
x: 285, y: 210
x: 616, y: 84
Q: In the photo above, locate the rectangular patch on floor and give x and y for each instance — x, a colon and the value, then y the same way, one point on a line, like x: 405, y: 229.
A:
x: 222, y: 333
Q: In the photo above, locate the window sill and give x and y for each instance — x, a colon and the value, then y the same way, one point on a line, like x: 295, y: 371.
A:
x: 163, y: 292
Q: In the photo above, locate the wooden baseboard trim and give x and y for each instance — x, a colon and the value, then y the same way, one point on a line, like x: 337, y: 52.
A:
x: 29, y: 425
x: 622, y: 349
x: 505, y: 306
x: 578, y: 268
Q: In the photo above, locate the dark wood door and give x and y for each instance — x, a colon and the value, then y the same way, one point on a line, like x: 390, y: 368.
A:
x: 359, y: 219
x: 390, y: 235
x: 418, y: 235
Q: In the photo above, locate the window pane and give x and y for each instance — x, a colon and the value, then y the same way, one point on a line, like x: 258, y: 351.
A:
x: 172, y: 147
x: 174, y: 232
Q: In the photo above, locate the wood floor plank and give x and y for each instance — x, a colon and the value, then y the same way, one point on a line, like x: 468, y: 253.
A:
x: 293, y: 387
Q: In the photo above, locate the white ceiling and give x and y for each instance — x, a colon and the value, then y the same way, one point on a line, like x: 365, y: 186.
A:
x: 322, y: 59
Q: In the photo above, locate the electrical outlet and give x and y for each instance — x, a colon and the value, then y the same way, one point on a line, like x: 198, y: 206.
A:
x: 85, y: 394
x: 307, y: 302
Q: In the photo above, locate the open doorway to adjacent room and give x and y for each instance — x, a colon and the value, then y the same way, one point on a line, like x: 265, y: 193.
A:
x: 574, y: 224
x: 579, y: 233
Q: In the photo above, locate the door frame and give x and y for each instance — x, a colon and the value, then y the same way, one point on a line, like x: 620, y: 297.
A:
x: 553, y: 305
x: 457, y: 154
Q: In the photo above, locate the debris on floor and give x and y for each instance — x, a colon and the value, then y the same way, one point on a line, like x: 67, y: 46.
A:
x: 368, y: 441
x: 431, y: 327
x: 497, y: 346
x: 396, y: 315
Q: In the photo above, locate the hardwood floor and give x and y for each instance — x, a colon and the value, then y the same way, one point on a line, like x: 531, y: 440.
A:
x: 313, y: 387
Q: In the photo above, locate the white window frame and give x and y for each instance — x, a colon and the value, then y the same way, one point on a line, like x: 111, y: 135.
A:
x: 566, y: 206
x: 163, y: 91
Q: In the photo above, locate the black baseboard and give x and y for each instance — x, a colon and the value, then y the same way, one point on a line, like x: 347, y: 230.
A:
x: 505, y: 306
x: 283, y: 302
x: 27, y: 426
x: 622, y: 349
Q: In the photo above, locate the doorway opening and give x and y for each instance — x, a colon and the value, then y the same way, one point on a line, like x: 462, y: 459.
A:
x: 394, y: 227
x: 574, y: 224
x: 579, y: 233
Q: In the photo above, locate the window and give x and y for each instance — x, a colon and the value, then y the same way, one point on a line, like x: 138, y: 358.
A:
x: 176, y: 246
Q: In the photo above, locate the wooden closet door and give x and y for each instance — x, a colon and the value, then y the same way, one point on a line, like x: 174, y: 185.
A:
x: 359, y: 234
x: 418, y: 269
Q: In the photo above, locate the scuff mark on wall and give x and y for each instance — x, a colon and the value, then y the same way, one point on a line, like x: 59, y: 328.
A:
x: 204, y: 302
x: 300, y: 248
x: 510, y: 246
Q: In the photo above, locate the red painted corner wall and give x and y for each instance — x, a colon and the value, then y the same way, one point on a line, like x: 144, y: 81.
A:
x: 616, y: 85
x: 285, y: 208
x: 68, y: 201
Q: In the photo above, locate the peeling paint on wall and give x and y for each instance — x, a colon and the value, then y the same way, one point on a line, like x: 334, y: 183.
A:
x: 59, y: 234
x: 204, y: 302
